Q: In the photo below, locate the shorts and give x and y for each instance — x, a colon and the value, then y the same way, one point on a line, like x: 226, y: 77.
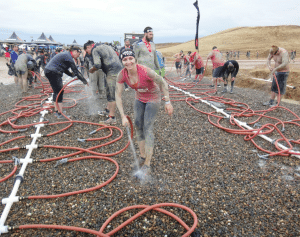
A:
x: 20, y: 73
x: 218, y: 72
x: 56, y: 84
x: 178, y: 65
x: 111, y: 88
x: 282, y: 79
x: 199, y: 71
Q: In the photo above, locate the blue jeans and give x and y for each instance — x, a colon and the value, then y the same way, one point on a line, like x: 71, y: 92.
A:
x: 144, y: 117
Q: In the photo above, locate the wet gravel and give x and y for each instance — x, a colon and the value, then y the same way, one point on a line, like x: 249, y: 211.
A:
x: 216, y: 174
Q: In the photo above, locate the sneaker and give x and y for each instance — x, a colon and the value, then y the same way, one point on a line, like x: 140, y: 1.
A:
x: 109, y: 121
x: 127, y: 89
x: 211, y: 85
x: 273, y: 105
x: 60, y: 116
x: 218, y: 85
x: 57, y: 114
x: 267, y: 103
x: 145, y: 169
x: 231, y: 91
x: 224, y: 91
x: 103, y: 113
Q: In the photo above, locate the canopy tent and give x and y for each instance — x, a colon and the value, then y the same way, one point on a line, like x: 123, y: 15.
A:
x: 13, y: 39
x: 42, y: 40
x: 74, y: 44
x: 53, y: 42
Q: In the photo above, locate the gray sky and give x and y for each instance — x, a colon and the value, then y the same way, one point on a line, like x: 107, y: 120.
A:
x: 107, y: 20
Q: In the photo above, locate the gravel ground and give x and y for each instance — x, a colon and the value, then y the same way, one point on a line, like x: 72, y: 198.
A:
x: 216, y: 174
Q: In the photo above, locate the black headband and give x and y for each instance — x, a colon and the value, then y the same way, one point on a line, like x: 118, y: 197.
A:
x: 127, y: 53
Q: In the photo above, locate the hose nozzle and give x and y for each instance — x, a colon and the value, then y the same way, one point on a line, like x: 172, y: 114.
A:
x: 60, y: 162
x: 92, y: 132
x: 81, y: 140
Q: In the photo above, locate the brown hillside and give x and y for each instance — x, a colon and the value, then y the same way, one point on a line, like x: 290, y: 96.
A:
x: 244, y: 39
x: 254, y: 39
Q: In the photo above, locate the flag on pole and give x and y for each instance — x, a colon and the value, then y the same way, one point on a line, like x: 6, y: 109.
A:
x: 197, y: 25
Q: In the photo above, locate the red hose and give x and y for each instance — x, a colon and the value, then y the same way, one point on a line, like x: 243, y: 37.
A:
x: 145, y: 208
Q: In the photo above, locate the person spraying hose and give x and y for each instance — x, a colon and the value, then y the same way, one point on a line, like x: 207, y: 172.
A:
x: 281, y: 71
x: 147, y: 84
x: 54, y: 70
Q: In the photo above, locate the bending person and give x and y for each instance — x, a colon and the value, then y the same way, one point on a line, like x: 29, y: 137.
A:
x: 147, y: 84
x: 54, y: 70
x: 24, y: 63
x: 230, y: 67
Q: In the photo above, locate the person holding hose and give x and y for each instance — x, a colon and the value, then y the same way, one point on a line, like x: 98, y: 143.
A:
x: 147, y: 84
x: 54, y: 70
x: 281, y: 71
x: 197, y: 61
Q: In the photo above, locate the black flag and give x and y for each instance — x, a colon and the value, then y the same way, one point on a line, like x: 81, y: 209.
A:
x: 198, y: 19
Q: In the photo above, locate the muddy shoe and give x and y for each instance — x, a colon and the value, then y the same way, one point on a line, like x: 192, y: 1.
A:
x: 60, y: 116
x: 224, y: 91
x: 143, y: 173
x: 270, y: 102
x: 109, y: 121
x: 231, y: 91
x: 103, y: 112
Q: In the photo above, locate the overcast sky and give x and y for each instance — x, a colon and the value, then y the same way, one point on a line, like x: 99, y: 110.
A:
x: 107, y: 20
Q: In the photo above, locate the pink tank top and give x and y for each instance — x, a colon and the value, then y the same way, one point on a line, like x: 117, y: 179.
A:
x: 146, y: 90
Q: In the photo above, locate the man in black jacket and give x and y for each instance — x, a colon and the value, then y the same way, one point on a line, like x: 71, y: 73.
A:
x: 54, y: 70
x: 230, y: 67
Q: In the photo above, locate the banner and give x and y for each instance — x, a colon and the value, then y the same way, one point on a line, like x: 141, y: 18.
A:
x: 197, y: 25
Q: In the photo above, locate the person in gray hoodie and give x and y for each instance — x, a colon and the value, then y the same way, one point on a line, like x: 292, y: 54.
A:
x: 24, y: 63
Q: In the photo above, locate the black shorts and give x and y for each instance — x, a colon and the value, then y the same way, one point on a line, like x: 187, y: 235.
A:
x: 178, y: 65
x: 199, y: 71
x: 218, y: 72
x: 282, y: 79
x: 56, y: 84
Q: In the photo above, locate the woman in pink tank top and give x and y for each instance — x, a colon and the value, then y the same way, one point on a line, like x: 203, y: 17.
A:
x: 147, y: 85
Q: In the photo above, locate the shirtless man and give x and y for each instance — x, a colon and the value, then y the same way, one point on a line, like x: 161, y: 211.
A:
x: 178, y: 57
x: 199, y: 64
x: 105, y: 58
x: 145, y: 51
x: 218, y: 63
x: 281, y: 71
x: 23, y: 68
x: 97, y: 78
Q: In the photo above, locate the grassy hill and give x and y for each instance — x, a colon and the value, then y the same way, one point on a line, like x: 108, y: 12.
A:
x: 243, y: 39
